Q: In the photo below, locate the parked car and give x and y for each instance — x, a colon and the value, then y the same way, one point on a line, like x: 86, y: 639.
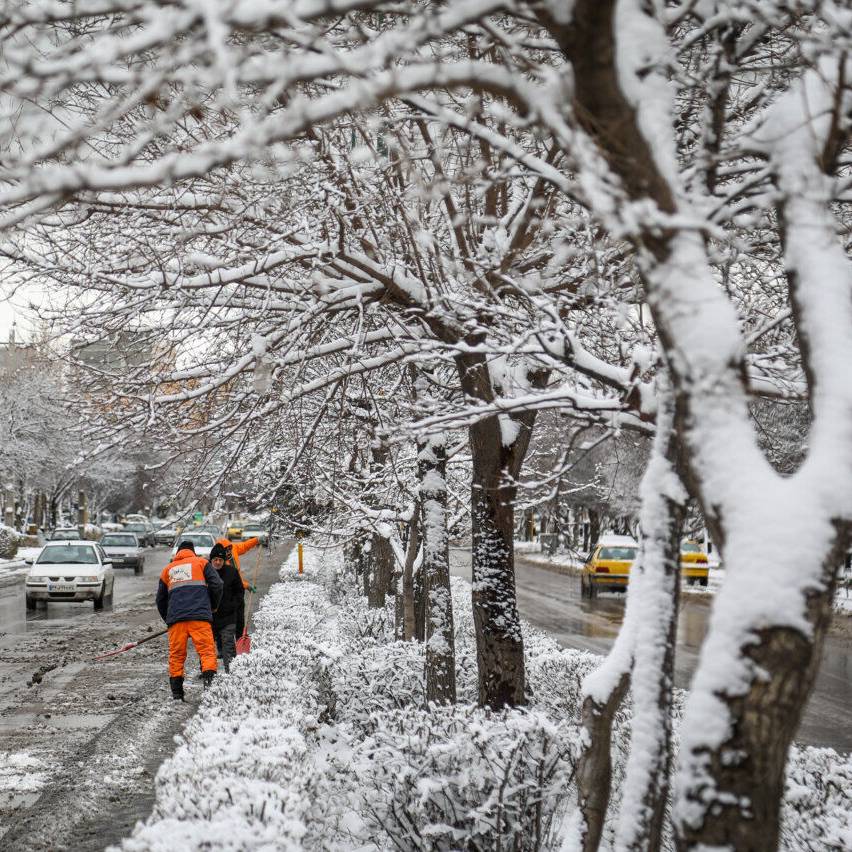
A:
x: 124, y: 551
x: 208, y: 528
x: 255, y: 529
x: 66, y: 571
x: 608, y: 565
x: 694, y: 567
x: 144, y: 532
x: 63, y: 534
x: 203, y: 542
x: 234, y: 530
x: 166, y: 533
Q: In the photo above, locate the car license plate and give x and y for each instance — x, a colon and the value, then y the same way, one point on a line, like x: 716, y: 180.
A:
x: 60, y: 587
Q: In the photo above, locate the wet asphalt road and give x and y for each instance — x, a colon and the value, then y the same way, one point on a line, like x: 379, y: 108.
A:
x: 551, y: 602
x: 15, y: 620
x: 94, y: 733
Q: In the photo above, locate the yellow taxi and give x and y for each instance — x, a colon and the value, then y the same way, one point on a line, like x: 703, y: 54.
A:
x: 234, y: 531
x: 693, y: 563
x: 608, y: 565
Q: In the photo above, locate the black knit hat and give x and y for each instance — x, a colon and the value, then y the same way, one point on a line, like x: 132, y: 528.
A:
x: 218, y: 552
x: 186, y: 545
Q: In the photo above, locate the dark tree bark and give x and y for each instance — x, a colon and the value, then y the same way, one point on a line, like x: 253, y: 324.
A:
x: 406, y: 599
x: 594, y: 528
x: 440, y: 638
x: 380, y: 571
x: 594, y: 766
x: 419, y: 605
x: 496, y: 462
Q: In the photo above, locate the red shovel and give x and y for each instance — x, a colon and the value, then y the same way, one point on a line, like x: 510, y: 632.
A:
x: 244, y: 642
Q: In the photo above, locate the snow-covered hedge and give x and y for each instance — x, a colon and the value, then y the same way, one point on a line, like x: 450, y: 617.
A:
x: 319, y: 739
x: 9, y: 541
x: 464, y: 778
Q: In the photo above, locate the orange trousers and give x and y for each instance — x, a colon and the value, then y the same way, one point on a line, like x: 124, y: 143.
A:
x: 201, y: 634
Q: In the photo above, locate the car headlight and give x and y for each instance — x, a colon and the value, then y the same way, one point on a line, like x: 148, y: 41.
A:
x: 89, y: 579
x: 36, y: 581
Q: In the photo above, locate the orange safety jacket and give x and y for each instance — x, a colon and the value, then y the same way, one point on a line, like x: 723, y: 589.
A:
x: 189, y: 589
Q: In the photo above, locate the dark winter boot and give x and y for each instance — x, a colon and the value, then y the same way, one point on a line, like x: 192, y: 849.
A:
x: 207, y: 677
x: 176, y: 683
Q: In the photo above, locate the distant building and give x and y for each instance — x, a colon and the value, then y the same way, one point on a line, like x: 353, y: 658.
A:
x: 122, y: 353
x: 14, y: 355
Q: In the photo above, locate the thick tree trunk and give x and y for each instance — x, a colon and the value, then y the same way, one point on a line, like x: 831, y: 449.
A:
x: 499, y: 643
x: 380, y: 571
x: 406, y: 599
x: 440, y: 639
x: 744, y: 777
x: 496, y: 456
x: 594, y: 528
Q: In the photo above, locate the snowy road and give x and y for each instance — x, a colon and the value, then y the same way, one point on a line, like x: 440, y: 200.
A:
x: 552, y: 602
x: 81, y: 741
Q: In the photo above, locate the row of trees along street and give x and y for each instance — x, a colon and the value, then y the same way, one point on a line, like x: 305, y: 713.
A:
x: 48, y: 470
x: 376, y: 250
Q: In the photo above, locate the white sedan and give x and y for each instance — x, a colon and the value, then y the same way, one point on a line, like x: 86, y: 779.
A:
x: 203, y: 542
x: 67, y: 571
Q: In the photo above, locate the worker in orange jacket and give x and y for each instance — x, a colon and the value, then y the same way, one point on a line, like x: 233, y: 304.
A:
x: 187, y: 596
x: 234, y: 550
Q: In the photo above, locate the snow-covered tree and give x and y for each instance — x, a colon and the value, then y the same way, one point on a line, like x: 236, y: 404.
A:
x: 686, y: 159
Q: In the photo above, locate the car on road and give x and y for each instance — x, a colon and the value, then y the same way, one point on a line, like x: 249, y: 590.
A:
x: 144, y: 532
x: 124, y: 551
x: 63, y: 534
x: 255, y: 529
x: 234, y: 530
x: 608, y: 565
x: 67, y: 571
x: 166, y: 533
x: 203, y: 542
x: 694, y: 567
x: 208, y: 528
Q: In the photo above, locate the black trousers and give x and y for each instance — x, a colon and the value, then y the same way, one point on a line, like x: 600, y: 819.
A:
x: 226, y: 643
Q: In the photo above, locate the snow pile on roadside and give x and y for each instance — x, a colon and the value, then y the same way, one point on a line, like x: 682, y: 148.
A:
x: 12, y: 568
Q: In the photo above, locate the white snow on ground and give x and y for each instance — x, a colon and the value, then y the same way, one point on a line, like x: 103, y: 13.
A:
x: 15, y: 567
x: 318, y: 740
x: 24, y: 553
x: 20, y: 772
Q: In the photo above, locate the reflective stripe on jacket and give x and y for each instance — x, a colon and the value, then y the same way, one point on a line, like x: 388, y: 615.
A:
x: 189, y: 589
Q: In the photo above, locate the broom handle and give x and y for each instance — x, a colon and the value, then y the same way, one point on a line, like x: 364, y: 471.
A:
x: 131, y: 645
x: 251, y: 594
